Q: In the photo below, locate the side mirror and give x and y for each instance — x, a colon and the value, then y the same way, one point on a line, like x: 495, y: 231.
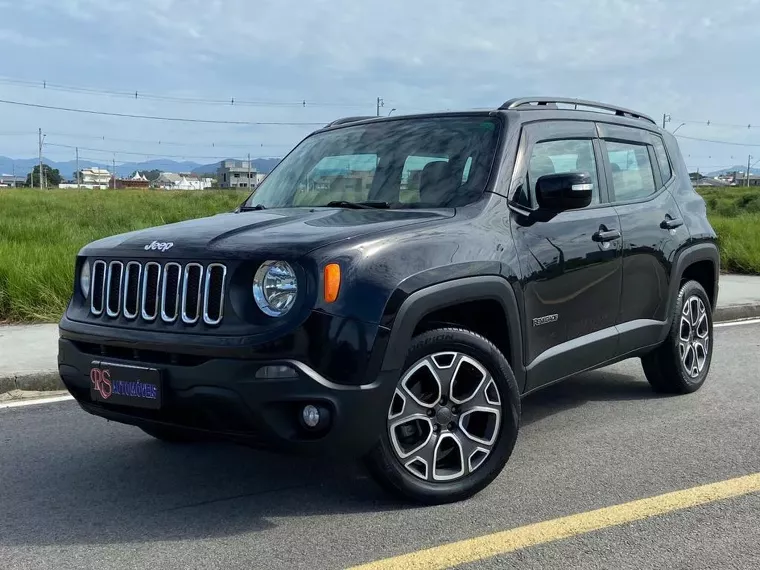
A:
x: 567, y: 191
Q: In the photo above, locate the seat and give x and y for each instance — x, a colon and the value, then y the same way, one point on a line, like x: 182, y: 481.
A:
x: 438, y: 184
x: 540, y: 165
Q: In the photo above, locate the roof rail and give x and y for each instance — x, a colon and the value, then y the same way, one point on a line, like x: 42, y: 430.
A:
x: 350, y: 120
x: 551, y: 103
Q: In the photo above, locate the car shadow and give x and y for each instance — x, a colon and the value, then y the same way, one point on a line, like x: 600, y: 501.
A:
x: 140, y: 490
x: 99, y: 483
x: 596, y: 386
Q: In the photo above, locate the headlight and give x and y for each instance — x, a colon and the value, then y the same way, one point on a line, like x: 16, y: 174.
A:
x: 84, y: 279
x: 275, y: 288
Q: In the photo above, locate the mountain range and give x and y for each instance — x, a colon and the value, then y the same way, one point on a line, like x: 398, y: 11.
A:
x: 732, y: 169
x: 23, y: 166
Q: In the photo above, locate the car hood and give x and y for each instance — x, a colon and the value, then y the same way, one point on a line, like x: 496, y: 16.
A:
x: 287, y: 232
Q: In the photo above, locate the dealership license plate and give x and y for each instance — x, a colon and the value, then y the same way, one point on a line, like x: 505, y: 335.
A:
x: 125, y: 385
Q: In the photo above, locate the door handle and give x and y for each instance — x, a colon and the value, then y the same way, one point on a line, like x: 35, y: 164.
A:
x: 671, y: 223
x: 606, y: 235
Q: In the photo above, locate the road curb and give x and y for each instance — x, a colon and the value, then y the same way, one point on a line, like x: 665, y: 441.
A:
x: 736, y: 312
x: 43, y: 381
x: 50, y: 380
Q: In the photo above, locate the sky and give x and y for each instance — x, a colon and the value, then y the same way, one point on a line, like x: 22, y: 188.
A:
x: 694, y: 60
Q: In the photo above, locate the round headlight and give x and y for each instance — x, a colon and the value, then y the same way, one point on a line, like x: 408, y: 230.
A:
x: 275, y: 288
x: 84, y: 279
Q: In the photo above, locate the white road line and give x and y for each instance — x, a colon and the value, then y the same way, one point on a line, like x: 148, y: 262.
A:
x: 737, y: 323
x: 35, y: 402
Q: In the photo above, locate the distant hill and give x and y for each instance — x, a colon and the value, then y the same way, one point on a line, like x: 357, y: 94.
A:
x: 24, y: 165
x: 731, y: 169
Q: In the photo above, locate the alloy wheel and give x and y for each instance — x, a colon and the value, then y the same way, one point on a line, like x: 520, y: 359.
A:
x: 694, y: 336
x: 444, y: 417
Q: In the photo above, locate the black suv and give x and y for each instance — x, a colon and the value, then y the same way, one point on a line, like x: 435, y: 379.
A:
x: 396, y: 285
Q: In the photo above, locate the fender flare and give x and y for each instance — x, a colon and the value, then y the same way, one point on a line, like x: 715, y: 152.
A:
x: 685, y: 258
x: 442, y: 295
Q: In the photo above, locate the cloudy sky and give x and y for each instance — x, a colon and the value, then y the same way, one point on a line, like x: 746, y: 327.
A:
x: 695, y: 60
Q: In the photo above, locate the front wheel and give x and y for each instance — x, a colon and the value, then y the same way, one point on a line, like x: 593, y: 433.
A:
x: 452, y: 421
x: 680, y: 365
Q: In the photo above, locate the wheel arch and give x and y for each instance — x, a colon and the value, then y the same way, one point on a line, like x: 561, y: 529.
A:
x: 451, y: 294
x: 700, y: 262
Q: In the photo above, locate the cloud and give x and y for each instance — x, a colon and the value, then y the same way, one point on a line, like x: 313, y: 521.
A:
x: 651, y: 55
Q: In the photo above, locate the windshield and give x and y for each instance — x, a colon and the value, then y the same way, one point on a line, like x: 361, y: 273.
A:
x: 412, y: 163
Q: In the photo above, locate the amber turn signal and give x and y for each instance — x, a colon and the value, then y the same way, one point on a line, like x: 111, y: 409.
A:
x: 332, y: 282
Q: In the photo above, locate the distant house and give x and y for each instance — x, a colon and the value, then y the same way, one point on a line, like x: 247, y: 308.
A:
x: 9, y: 180
x: 98, y: 178
x: 238, y: 174
x: 173, y: 181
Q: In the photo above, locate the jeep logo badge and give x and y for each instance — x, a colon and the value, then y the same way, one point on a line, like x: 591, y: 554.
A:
x: 162, y: 246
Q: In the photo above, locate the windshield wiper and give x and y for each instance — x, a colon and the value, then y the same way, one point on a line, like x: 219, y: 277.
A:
x: 357, y: 205
x: 252, y: 208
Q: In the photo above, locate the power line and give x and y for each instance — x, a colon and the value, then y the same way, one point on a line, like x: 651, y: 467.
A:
x: 709, y: 123
x: 166, y: 142
x: 157, y: 118
x: 733, y: 143
x: 136, y: 94
x: 134, y: 153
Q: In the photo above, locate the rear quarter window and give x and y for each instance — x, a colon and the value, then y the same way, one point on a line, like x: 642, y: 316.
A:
x: 666, y: 170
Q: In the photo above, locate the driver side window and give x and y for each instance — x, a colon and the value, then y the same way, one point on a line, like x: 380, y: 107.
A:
x: 561, y: 157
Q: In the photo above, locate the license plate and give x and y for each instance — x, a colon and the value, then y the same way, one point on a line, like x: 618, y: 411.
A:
x: 124, y: 385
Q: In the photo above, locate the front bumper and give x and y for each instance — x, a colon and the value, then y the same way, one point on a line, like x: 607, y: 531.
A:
x: 223, y: 398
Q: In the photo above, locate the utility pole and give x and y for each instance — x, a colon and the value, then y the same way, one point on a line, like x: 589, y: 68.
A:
x: 749, y: 160
x: 249, y: 171
x: 40, y: 173
x: 78, y: 168
x: 113, y: 163
x: 665, y: 119
x: 380, y: 103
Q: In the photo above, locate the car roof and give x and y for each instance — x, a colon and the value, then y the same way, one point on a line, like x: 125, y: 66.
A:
x: 524, y: 109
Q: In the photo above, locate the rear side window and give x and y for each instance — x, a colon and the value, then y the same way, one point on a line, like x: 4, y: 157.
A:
x: 632, y: 174
x: 662, y: 159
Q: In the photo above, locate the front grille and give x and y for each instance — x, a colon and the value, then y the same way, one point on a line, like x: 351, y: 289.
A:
x: 170, y: 292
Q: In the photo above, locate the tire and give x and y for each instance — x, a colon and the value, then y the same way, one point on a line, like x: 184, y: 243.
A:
x: 681, y: 364
x: 170, y: 435
x: 478, y: 376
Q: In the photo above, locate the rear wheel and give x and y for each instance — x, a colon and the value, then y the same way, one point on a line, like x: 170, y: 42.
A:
x: 681, y: 364
x: 452, y: 421
x: 170, y: 435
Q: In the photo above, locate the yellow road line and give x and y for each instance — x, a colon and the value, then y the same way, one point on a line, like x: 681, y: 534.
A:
x: 504, y: 542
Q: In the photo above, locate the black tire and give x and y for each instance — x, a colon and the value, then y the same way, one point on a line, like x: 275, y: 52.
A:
x: 170, y: 435
x: 663, y: 367
x: 388, y: 470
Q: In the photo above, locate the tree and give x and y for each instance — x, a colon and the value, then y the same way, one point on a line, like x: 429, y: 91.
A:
x: 51, y: 175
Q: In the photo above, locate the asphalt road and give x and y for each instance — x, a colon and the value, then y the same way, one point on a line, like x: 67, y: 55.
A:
x: 78, y: 492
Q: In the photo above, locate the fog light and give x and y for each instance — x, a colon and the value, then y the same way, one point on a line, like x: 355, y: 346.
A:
x: 272, y: 372
x: 310, y: 416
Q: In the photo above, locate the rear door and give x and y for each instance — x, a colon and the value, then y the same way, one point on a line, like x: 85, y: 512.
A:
x: 570, y: 261
x: 638, y: 174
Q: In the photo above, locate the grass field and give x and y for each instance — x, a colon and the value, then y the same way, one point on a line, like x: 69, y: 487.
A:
x: 41, y: 232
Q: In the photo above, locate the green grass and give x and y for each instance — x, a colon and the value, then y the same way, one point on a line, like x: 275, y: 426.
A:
x: 41, y: 233
x: 734, y: 213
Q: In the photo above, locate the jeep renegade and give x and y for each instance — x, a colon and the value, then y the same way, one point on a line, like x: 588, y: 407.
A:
x: 396, y: 285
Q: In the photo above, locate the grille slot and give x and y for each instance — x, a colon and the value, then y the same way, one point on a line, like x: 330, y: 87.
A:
x: 191, y: 293
x: 170, y: 292
x: 213, y: 294
x: 98, y: 288
x: 113, y: 288
x: 132, y: 289
x: 150, y: 285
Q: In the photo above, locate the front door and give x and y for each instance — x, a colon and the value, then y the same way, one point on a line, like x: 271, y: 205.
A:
x: 571, y: 262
